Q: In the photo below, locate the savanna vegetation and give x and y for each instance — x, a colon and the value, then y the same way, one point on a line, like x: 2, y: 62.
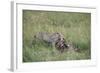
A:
x: 74, y: 26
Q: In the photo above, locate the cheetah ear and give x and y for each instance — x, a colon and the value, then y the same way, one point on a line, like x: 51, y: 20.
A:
x: 63, y: 39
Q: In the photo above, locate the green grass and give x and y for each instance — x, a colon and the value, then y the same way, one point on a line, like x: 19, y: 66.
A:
x: 74, y: 26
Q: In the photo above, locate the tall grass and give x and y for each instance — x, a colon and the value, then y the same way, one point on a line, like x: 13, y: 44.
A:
x: 74, y: 26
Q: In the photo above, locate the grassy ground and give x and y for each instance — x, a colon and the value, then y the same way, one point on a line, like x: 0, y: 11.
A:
x: 74, y: 26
